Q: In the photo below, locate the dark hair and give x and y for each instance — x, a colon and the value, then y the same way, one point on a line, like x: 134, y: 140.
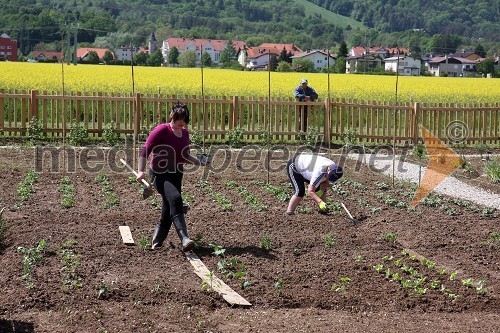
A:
x: 180, y: 112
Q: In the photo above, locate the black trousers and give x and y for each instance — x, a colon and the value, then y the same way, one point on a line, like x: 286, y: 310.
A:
x: 169, y: 184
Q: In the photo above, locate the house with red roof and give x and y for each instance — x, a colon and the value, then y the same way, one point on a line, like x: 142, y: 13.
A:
x: 83, y: 52
x: 361, y: 58
x: 213, y: 47
x: 8, y: 48
x: 257, y: 57
x: 47, y: 56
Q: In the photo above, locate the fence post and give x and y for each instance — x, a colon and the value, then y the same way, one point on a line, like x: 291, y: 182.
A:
x: 416, y: 117
x: 2, y: 107
x: 326, y: 136
x: 234, y: 112
x: 137, y: 116
x: 33, y: 113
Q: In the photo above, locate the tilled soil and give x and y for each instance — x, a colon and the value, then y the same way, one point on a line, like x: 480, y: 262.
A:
x: 319, y: 273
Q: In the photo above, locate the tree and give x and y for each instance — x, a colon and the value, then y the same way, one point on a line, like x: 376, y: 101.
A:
x: 284, y: 66
x: 343, y: 49
x: 304, y: 66
x: 339, y: 66
x: 92, y: 58
x: 140, y: 59
x: 273, y: 62
x: 187, y: 59
x: 486, y: 66
x: 206, y: 60
x: 155, y: 59
x: 480, y: 51
x: 227, y: 55
x: 283, y: 56
x: 107, y: 57
x: 444, y: 44
x: 173, y: 56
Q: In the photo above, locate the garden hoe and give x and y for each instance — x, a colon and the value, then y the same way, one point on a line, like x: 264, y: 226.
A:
x: 147, y: 190
x: 352, y: 219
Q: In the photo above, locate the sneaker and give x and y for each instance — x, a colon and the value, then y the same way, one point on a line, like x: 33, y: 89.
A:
x: 289, y: 213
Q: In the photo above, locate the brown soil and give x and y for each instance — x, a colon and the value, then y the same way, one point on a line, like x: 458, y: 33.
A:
x: 299, y: 285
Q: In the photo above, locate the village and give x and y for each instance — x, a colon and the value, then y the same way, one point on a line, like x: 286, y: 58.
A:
x: 209, y: 53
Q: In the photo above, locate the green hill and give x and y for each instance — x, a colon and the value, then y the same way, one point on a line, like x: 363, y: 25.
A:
x: 330, y: 17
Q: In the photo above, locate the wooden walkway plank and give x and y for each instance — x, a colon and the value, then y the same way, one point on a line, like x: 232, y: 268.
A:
x: 126, y: 235
x: 232, y: 297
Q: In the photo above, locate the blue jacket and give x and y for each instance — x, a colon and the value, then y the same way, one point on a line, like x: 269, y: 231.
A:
x: 301, y: 93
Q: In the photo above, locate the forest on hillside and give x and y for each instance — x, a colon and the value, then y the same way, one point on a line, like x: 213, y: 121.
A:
x: 45, y: 24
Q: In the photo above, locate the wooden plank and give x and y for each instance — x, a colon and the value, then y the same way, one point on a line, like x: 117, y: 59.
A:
x: 126, y: 235
x: 232, y: 297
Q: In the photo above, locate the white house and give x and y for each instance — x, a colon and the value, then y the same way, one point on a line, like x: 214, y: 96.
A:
x: 258, y: 57
x: 124, y: 52
x: 318, y: 57
x: 451, y: 66
x: 213, y: 47
x: 407, y: 65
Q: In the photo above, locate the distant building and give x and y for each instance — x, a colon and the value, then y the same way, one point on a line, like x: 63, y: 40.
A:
x: 47, y: 56
x: 213, y: 47
x: 83, y: 52
x: 8, y: 48
x: 152, y: 43
x: 258, y: 57
x: 125, y: 53
x: 407, y: 65
x: 361, y: 58
x: 318, y: 57
x: 451, y: 66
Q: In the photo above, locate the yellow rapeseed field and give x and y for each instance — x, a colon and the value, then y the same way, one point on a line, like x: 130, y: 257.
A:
x: 219, y: 82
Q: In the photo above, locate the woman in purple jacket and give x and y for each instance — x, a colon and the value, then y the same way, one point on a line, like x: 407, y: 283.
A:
x: 169, y: 145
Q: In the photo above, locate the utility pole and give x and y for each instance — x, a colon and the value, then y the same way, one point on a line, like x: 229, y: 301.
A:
x: 75, y: 40
x: 68, y: 37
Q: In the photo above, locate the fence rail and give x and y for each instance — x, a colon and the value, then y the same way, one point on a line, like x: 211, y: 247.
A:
x: 216, y: 116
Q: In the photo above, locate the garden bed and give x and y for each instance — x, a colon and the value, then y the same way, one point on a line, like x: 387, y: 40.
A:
x: 434, y: 268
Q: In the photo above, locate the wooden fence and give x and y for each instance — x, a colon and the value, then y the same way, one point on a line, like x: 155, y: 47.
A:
x: 332, y: 120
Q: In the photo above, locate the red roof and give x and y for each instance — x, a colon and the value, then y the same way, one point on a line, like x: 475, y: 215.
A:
x: 47, y: 55
x: 83, y: 51
x: 358, y: 51
x: 277, y: 48
x: 200, y: 43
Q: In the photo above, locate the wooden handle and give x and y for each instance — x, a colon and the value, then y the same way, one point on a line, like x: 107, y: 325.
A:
x: 133, y: 171
x: 345, y: 208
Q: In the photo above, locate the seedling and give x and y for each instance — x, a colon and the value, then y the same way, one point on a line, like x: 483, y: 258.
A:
x: 467, y: 282
x: 25, y: 188
x: 266, y: 242
x: 278, y: 284
x: 379, y: 268
x: 342, y: 285
x: 104, y: 290
x: 32, y: 257
x: 70, y: 263
x: 110, y: 199
x: 330, y: 240
x: 453, y: 275
x: 208, y: 283
x: 481, y: 286
x: 67, y: 190
x: 358, y: 258
x: 382, y: 185
x: 390, y: 237
x: 442, y: 271
x: 143, y: 243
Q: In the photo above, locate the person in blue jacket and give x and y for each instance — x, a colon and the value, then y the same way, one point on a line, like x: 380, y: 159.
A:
x: 315, y: 170
x: 304, y: 93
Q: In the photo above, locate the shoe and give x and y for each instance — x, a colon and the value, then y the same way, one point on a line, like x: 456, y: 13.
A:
x: 289, y: 213
x: 181, y: 228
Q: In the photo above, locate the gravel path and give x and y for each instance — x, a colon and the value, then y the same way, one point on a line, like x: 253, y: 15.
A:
x: 450, y: 186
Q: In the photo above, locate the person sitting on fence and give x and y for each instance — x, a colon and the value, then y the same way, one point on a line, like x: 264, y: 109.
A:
x: 304, y: 93
x: 169, y: 144
x: 315, y: 170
